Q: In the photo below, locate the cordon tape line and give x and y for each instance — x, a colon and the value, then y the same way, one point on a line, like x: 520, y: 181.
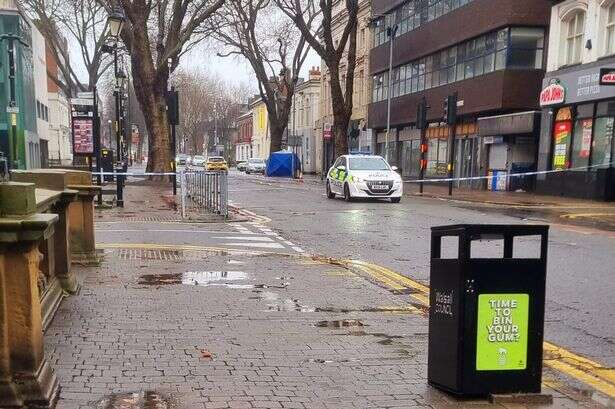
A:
x: 510, y: 175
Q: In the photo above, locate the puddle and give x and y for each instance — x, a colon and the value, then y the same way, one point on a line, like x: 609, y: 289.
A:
x: 201, y: 278
x: 134, y: 400
x: 340, y: 324
x: 275, y: 303
x: 391, y: 310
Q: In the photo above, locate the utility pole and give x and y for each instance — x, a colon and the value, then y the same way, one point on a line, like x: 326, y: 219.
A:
x: 391, y: 34
x: 450, y: 116
x: 97, y: 143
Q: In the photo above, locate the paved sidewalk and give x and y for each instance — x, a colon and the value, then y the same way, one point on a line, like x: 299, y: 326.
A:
x: 196, y: 328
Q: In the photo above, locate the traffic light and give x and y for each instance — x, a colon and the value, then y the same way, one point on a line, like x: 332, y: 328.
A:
x: 450, y: 109
x: 421, y: 115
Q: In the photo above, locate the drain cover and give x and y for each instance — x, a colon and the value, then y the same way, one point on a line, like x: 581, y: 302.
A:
x: 134, y: 400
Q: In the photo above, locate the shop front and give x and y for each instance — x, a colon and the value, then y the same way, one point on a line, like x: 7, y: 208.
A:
x: 510, y: 148
x: 577, y: 142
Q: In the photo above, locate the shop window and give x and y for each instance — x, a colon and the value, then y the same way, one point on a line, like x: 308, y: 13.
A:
x: 575, y: 33
x: 437, y: 154
x: 561, y: 144
x: 602, y: 145
x: 610, y: 30
x: 581, y: 143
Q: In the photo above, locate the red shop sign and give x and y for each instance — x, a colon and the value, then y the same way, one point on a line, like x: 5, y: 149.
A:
x: 554, y: 94
x: 607, y: 76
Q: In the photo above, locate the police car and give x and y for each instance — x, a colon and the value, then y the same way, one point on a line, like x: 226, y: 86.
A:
x: 364, y: 176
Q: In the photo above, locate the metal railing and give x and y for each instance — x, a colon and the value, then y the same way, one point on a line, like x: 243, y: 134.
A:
x: 204, y: 191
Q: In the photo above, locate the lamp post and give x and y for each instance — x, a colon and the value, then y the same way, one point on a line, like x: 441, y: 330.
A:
x: 391, y: 31
x: 115, y: 23
x: 120, y: 78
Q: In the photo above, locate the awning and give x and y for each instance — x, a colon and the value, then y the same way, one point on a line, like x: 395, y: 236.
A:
x: 510, y: 124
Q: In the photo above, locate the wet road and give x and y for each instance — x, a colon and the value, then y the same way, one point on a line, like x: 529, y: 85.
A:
x: 581, y: 267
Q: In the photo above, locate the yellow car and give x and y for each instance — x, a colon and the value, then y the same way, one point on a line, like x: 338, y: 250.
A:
x: 216, y: 163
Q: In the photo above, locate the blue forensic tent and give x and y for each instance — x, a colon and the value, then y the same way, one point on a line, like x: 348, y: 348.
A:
x: 280, y: 164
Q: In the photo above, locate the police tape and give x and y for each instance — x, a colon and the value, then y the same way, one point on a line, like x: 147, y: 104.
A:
x: 134, y: 173
x: 509, y: 175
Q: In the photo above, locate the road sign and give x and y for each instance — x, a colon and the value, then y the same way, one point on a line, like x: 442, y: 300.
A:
x: 327, y: 133
x: 85, y: 95
x: 607, y: 76
x: 82, y: 101
x: 12, y: 110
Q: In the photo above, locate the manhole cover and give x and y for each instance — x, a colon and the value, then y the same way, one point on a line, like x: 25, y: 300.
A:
x: 134, y: 400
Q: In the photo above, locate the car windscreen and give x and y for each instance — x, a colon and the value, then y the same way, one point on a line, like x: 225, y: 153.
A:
x: 256, y: 161
x: 216, y: 159
x: 368, y: 164
x: 199, y: 157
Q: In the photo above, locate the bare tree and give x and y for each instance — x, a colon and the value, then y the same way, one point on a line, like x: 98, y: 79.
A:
x: 334, y: 44
x: 258, y: 32
x: 207, y: 103
x: 76, y: 22
x: 157, y: 34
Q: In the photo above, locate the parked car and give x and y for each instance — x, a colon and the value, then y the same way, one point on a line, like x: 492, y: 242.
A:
x: 256, y: 165
x: 241, y: 166
x: 182, y: 159
x: 216, y: 163
x: 199, y: 160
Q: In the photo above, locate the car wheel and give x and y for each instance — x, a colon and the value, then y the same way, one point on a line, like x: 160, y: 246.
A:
x: 330, y: 194
x: 395, y: 199
x: 347, y: 196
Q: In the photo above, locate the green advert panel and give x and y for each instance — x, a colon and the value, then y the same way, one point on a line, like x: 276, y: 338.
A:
x: 501, y: 338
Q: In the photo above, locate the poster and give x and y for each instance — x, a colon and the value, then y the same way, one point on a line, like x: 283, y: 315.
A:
x: 501, y: 336
x: 83, y: 136
x: 561, y: 136
x: 586, y: 137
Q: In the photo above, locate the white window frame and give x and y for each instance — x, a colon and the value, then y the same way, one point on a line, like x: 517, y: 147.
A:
x: 575, y: 39
x: 609, y: 28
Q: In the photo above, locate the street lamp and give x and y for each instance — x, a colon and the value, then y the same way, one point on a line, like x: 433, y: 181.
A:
x: 115, y: 23
x: 391, y: 31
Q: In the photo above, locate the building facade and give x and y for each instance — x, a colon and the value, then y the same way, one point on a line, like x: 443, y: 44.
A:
x: 19, y: 140
x: 303, y: 120
x: 261, y: 138
x: 243, y: 143
x: 492, y: 54
x: 38, y: 143
x: 578, y: 113
x: 59, y: 137
x: 359, y: 133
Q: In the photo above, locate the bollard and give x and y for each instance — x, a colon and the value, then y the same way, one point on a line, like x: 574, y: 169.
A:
x: 119, y: 184
x: 21, y: 336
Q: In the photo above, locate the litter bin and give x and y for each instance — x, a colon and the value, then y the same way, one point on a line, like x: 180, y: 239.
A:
x: 486, y: 315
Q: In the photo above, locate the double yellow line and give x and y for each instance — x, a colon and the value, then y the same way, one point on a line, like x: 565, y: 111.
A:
x: 589, y: 372
x: 583, y: 369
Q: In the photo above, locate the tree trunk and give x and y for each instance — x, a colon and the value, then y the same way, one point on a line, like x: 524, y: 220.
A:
x: 277, y: 132
x: 151, y: 94
x: 342, y: 110
x: 340, y: 129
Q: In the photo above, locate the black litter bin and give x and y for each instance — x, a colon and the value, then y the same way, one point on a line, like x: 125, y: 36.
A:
x: 106, y: 163
x: 486, y: 315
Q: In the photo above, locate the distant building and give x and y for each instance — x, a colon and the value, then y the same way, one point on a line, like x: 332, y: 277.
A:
x: 243, y: 143
x: 39, y: 144
x: 261, y: 138
x: 59, y: 145
x: 304, y: 115
x: 359, y: 135
x: 578, y: 115
x: 22, y: 147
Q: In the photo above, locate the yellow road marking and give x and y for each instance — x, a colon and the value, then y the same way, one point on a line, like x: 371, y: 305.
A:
x: 583, y: 369
x: 554, y: 352
x: 585, y: 215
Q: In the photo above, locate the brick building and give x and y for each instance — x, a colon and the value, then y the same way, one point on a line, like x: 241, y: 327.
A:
x: 492, y: 53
